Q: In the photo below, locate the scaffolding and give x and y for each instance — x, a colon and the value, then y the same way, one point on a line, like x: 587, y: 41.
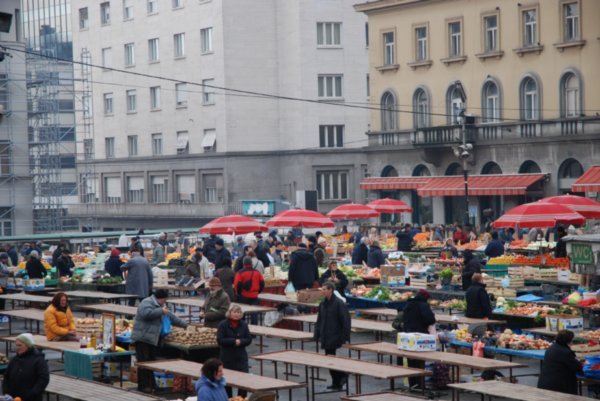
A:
x: 8, y: 178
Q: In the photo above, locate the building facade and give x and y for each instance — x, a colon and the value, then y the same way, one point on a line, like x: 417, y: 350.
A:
x: 237, y: 100
x: 508, y: 87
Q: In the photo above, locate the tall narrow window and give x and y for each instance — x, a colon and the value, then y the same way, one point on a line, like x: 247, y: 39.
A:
x: 206, y: 40
x: 491, y: 33
x: 135, y: 189
x: 152, y: 6
x: 421, y: 44
x: 208, y: 92
x: 160, y: 189
x: 530, y: 28
x: 155, y: 98
x: 105, y: 13
x: 455, y: 40
x: 186, y: 189
x: 213, y: 188
x: 112, y: 189
x: 84, y: 21
x: 129, y: 54
x: 330, y: 86
x: 5, y: 156
x: 571, y: 21
x: 183, y: 144
x: 389, y: 49
x: 153, y: 55
x: 109, y: 147
x: 179, y: 45
x: 176, y: 3
x: 108, y: 103
x: 107, y: 57
x: 131, y: 98
x: 454, y: 103
x: 388, y: 112
x: 329, y: 33
x: 180, y: 95
x: 5, y: 92
x: 491, y: 102
x: 331, y: 136
x: 132, y: 145
x: 570, y: 95
x: 529, y: 99
x: 332, y: 185
x: 127, y: 9
x: 157, y: 144
x: 421, y: 109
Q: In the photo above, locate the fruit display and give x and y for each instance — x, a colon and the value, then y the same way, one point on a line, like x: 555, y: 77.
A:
x: 368, y: 272
x: 473, y: 245
x: 3, y: 359
x: 428, y: 244
x: 88, y: 326
x: 107, y: 279
x: 360, y: 291
x: 348, y: 271
x: 455, y: 303
x: 463, y: 335
x: 520, y: 341
x: 193, y: 336
x: 123, y: 326
x: 538, y: 260
x: 593, y: 335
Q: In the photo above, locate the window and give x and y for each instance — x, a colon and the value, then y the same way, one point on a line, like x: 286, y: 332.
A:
x: 388, y: 112
x: 105, y: 13
x: 160, y: 189
x: 155, y: 98
x: 455, y: 40
x: 331, y: 136
x: 570, y: 95
x: 129, y: 54
x: 153, y: 50
x: 490, y: 24
x: 454, y: 103
x: 4, y: 92
x: 206, y: 45
x: 183, y: 144
x: 109, y: 147
x: 108, y: 103
x: 176, y: 3
x: 208, y: 93
x: 491, y: 102
x: 366, y: 34
x: 571, y: 22
x: 213, y: 188
x: 84, y: 21
x: 152, y: 6
x: 209, y: 141
x: 530, y: 28
x: 330, y: 86
x: 88, y: 149
x: 131, y: 101
x: 112, y: 189
x: 186, y: 189
x: 5, y: 156
x: 329, y: 33
x: 107, y: 57
x: 179, y: 45
x: 132, y: 145
x: 388, y: 49
x: 135, y: 189
x: 127, y: 9
x: 368, y: 86
x: 529, y: 99
x: 421, y: 109
x: 421, y: 44
x: 6, y: 221
x: 89, y: 185
x: 180, y: 95
x: 332, y: 185
x: 157, y: 148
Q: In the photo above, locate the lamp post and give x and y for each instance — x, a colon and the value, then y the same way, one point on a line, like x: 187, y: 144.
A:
x: 463, y: 152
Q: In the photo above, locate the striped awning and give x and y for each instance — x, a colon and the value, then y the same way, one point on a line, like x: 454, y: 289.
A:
x: 378, y: 183
x: 589, y: 181
x: 480, y: 185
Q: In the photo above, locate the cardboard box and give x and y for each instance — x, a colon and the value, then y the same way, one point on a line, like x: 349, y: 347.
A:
x: 563, y: 275
x: 163, y: 380
x: 417, y: 342
x: 564, y: 322
x: 34, y: 284
x: 394, y: 276
x: 311, y: 295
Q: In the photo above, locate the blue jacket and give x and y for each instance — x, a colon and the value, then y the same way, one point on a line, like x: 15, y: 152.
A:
x: 494, y: 248
x: 208, y: 390
x: 375, y: 258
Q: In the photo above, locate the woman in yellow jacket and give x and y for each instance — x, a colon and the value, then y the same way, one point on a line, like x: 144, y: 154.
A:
x: 58, y: 320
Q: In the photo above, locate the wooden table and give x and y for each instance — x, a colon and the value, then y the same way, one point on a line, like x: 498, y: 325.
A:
x: 312, y: 361
x: 241, y: 380
x: 453, y: 360
x: 114, y: 309
x: 439, y: 317
x: 106, y: 296
x: 384, y: 396
x: 25, y: 298
x: 543, y: 332
x: 502, y: 389
x: 34, y: 315
x: 282, y: 299
x: 199, y: 303
x: 362, y: 324
x: 85, y: 390
x: 42, y: 343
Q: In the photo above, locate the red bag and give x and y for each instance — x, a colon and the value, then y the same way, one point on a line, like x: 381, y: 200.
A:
x: 478, y: 347
x: 587, y: 302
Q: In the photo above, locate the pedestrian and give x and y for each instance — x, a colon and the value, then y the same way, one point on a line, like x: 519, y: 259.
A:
x: 320, y: 252
x: 216, y: 304
x: 59, y: 323
x: 560, y: 251
x: 478, y: 300
x: 34, y: 267
x: 226, y: 275
x: 495, y: 248
x: 238, y: 248
x: 211, y: 385
x: 210, y: 250
x: 471, y: 266
x: 449, y: 249
x: 4, y: 274
x: 239, y: 262
x: 64, y: 264
x: 459, y: 235
x: 332, y: 330
x: 12, y: 254
x: 375, y: 257
x: 57, y: 253
x: 278, y: 254
x: 183, y: 243
x: 303, y: 270
x: 146, y: 333
x: 158, y: 252
x: 233, y: 336
x: 198, y: 265
x: 139, y: 278
x: 248, y: 283
x: 261, y: 250
x: 221, y: 253
x: 136, y: 246
x: 335, y: 276
x: 27, y: 374
x: 256, y: 263
x: 360, y: 253
x: 561, y: 367
x: 113, y: 264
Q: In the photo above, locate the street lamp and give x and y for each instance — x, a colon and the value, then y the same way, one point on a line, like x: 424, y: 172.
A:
x: 463, y: 152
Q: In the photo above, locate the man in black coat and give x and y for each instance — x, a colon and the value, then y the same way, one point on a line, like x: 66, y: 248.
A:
x: 221, y: 253
x: 495, y: 248
x: 560, y: 368
x: 560, y: 251
x: 260, y: 249
x: 210, y: 250
x: 360, y: 253
x: 404, y: 238
x: 303, y: 268
x: 332, y: 330
x: 478, y: 300
x: 471, y: 266
x: 375, y: 256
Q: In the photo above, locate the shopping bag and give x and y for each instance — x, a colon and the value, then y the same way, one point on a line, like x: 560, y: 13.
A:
x: 289, y: 288
x: 165, y: 328
x: 478, y: 347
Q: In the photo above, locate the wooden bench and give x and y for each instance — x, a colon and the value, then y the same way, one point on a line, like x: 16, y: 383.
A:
x: 521, y: 392
x: 85, y: 390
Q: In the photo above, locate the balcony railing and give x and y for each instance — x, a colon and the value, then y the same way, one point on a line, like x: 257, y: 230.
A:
x: 451, y: 134
x: 166, y: 210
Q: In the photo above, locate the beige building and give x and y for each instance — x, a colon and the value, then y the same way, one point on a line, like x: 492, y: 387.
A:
x: 526, y: 72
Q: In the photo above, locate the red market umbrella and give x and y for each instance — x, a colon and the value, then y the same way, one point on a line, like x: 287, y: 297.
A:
x: 300, y: 218
x: 351, y: 211
x: 388, y: 205
x: 538, y: 214
x: 233, y: 224
x: 586, y: 207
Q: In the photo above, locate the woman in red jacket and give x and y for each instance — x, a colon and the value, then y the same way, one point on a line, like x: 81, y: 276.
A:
x: 248, y: 283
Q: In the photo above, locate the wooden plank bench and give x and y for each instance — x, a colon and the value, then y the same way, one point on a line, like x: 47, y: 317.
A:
x: 85, y: 390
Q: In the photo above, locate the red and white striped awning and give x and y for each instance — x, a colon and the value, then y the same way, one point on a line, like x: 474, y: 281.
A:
x: 589, y: 181
x: 378, y: 183
x: 480, y: 185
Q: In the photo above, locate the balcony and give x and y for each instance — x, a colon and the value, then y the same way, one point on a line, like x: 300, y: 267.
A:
x: 158, y: 211
x: 449, y: 135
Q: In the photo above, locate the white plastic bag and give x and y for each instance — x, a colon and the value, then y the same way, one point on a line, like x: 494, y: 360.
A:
x: 272, y: 318
x: 289, y: 288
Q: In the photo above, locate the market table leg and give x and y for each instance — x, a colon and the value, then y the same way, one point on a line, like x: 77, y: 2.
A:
x: 312, y: 382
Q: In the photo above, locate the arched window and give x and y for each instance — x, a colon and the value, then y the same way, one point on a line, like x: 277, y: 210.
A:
x: 388, y: 112
x: 568, y: 172
x: 570, y: 95
x: 530, y: 99
x: 389, y: 171
x: 529, y: 167
x: 454, y: 102
x: 454, y: 169
x: 421, y: 114
x: 421, y: 171
x: 491, y: 168
x: 490, y: 99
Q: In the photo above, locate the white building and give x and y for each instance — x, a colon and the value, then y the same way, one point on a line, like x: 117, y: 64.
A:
x: 178, y: 152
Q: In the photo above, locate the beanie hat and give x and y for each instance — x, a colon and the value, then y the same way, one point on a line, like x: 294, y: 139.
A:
x: 312, y: 239
x: 220, y: 242
x: 214, y: 281
x: 115, y: 252
x: 322, y: 241
x: 424, y: 294
x: 34, y: 254
x: 27, y: 339
x: 161, y: 294
x: 302, y: 245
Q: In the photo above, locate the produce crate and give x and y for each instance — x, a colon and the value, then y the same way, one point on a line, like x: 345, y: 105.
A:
x: 496, y: 270
x: 368, y: 303
x: 503, y: 292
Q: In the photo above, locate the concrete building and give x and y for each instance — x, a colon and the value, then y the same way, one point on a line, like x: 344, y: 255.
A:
x: 189, y: 146
x: 15, y: 182
x: 512, y: 82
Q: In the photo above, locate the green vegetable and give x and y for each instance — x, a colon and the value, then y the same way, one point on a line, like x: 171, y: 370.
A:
x: 379, y: 293
x: 446, y: 273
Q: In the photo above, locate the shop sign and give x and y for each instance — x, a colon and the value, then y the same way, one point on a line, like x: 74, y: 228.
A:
x: 582, y: 254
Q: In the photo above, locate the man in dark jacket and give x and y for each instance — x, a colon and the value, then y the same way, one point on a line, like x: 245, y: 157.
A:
x: 216, y: 304
x: 27, y: 373
x: 404, y: 239
x: 226, y: 275
x: 560, y: 368
x: 478, y: 300
x: 139, y: 278
x: 64, y: 264
x: 260, y: 249
x: 221, y: 253
x: 12, y: 254
x: 560, y: 251
x: 57, y: 253
x: 471, y: 266
x: 209, y: 250
x: 332, y: 330
x: 303, y: 268
x: 495, y: 248
x: 360, y: 253
x: 136, y: 246
x: 375, y: 257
